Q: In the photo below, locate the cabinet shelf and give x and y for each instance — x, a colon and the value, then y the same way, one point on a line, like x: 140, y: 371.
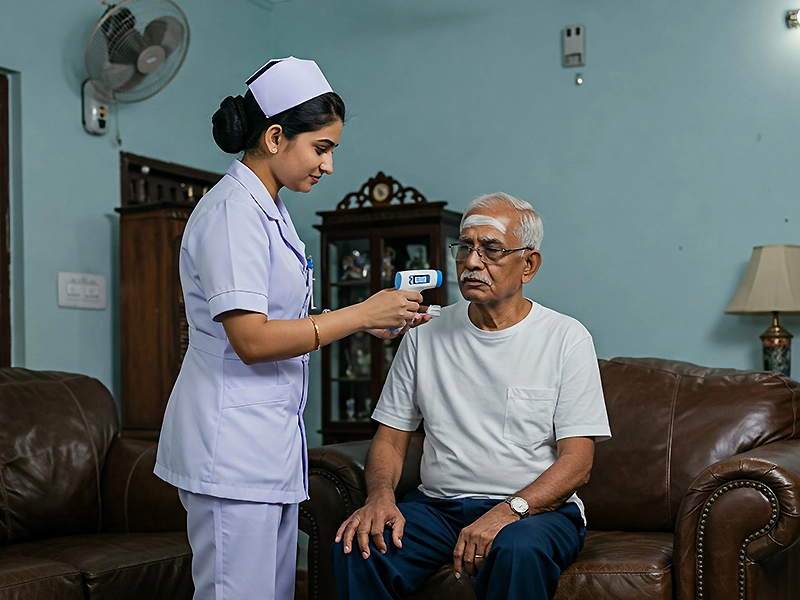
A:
x: 373, y: 240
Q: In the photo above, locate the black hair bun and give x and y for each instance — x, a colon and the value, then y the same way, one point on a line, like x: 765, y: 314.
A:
x: 229, y: 125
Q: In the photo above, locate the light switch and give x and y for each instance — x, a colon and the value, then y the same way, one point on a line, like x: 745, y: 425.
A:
x: 573, y: 45
x: 81, y: 290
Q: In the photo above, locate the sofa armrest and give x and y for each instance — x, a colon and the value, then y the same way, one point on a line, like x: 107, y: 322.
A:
x: 134, y: 499
x: 737, y: 513
x: 336, y: 488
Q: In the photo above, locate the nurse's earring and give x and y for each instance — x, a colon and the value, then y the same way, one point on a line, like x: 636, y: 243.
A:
x: 274, y: 150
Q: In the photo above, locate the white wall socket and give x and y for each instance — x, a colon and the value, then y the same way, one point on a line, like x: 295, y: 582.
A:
x: 573, y: 39
x: 81, y: 290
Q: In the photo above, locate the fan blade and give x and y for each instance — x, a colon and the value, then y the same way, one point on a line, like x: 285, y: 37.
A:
x: 131, y: 84
x: 117, y: 22
x: 126, y: 47
x: 166, y: 32
x: 121, y: 78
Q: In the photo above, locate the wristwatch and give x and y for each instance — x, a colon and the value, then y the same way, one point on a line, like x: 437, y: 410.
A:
x: 518, y: 505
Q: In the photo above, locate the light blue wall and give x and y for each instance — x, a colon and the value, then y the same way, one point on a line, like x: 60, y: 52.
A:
x: 66, y: 182
x: 655, y: 178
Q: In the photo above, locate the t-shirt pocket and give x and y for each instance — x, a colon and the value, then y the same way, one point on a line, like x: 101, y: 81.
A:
x: 529, y: 415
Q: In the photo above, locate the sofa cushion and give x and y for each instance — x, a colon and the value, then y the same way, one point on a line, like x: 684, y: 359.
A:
x: 123, y: 566
x: 616, y: 564
x: 31, y: 577
x: 57, y: 428
x: 670, y: 420
x: 611, y: 565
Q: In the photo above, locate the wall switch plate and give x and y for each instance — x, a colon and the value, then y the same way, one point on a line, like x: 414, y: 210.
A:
x: 81, y: 290
x: 573, y: 45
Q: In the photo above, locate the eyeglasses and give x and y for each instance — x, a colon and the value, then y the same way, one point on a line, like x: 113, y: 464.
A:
x: 488, y: 254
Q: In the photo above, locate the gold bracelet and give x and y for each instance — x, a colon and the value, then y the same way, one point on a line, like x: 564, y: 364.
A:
x: 317, y: 341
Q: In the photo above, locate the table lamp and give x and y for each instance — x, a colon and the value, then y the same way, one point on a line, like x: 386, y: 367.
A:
x: 771, y: 284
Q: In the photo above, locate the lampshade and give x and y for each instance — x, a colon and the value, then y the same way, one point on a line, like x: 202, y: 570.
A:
x: 771, y: 282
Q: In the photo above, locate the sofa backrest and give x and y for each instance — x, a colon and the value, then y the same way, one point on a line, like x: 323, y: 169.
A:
x: 669, y: 421
x: 55, y: 431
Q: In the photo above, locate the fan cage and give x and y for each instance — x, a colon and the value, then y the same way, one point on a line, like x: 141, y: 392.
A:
x: 117, y: 33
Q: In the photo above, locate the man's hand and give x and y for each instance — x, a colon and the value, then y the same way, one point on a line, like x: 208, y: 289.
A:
x: 370, y: 521
x: 475, y: 541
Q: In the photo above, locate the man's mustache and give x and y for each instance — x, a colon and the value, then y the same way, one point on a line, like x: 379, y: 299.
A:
x: 475, y: 276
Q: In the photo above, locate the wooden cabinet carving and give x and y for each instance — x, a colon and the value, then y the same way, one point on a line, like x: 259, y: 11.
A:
x: 157, y: 199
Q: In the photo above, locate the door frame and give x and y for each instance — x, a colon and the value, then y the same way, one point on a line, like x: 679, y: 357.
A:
x: 5, y: 226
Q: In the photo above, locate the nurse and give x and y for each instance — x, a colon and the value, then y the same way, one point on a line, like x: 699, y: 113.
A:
x: 233, y: 440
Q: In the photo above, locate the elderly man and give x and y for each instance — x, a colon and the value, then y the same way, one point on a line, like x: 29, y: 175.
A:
x: 510, y: 395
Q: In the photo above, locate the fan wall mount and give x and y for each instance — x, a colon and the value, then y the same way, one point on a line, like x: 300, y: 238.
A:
x: 133, y: 52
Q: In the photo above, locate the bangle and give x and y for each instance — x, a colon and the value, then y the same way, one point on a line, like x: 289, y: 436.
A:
x: 317, y: 341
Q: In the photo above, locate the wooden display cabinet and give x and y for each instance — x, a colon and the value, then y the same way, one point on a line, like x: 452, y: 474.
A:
x: 157, y: 199
x: 373, y: 233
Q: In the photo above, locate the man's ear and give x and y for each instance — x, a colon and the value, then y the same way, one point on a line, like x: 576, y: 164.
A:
x: 533, y: 260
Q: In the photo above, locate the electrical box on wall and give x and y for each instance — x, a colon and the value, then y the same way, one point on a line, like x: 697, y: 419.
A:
x: 573, y: 38
x: 95, y: 107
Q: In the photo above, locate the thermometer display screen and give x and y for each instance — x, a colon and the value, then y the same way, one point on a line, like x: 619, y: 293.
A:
x: 420, y: 279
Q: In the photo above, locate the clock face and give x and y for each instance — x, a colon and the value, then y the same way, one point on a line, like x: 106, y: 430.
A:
x: 380, y: 192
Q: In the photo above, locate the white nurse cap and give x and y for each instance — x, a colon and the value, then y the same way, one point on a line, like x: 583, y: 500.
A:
x: 287, y: 83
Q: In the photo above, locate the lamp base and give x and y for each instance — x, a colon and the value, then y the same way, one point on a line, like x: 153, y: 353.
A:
x: 776, y: 345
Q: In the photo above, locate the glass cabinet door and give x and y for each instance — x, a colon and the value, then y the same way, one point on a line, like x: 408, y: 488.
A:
x: 351, y: 358
x: 404, y: 253
x: 401, y: 253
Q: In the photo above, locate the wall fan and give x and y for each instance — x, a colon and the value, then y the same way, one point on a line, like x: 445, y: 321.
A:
x: 133, y: 52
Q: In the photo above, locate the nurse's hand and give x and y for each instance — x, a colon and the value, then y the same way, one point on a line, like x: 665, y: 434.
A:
x: 389, y: 309
x: 388, y: 334
x: 369, y: 522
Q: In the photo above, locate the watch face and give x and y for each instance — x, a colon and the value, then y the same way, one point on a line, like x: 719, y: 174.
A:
x: 519, y: 504
x: 380, y: 192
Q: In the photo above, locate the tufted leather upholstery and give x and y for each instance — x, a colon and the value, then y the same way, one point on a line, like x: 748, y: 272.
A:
x: 81, y: 513
x: 696, y: 496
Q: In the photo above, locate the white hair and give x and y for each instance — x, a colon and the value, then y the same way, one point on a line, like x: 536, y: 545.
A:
x: 530, y: 230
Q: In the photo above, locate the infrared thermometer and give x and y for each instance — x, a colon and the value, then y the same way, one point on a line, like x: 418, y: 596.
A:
x: 418, y: 280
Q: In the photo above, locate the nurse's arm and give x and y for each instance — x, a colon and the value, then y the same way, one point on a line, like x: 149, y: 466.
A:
x: 257, y: 339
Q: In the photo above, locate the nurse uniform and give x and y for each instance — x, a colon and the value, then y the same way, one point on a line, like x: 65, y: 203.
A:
x: 233, y: 439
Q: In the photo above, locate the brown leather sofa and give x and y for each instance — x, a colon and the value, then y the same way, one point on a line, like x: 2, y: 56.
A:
x: 696, y: 496
x: 81, y: 513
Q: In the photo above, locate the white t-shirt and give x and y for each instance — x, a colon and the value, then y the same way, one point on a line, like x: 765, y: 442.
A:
x: 494, y: 403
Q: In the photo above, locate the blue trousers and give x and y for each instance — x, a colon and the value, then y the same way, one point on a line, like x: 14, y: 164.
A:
x: 525, y: 561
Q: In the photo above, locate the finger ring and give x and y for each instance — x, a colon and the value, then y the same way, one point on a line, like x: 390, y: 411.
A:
x: 479, y: 556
